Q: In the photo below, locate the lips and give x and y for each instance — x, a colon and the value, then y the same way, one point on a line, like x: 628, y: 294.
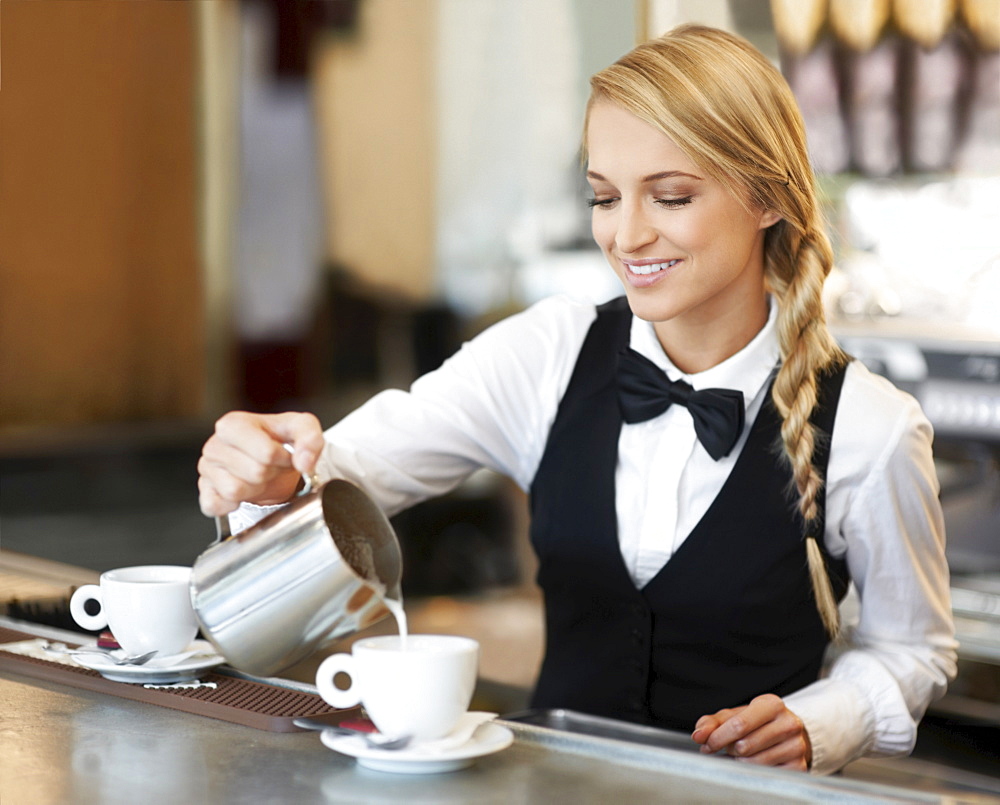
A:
x: 650, y: 268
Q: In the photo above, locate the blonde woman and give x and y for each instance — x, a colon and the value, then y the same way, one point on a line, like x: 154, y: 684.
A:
x: 707, y: 470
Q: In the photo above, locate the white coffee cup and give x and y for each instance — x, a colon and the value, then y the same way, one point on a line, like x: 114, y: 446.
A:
x: 147, y: 608
x: 421, y: 690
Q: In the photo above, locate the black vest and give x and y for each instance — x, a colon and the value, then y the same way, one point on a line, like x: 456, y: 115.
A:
x: 730, y: 616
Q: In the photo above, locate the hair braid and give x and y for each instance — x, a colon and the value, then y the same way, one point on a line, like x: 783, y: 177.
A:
x: 807, y: 349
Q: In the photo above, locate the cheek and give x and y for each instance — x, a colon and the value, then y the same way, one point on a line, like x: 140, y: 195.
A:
x: 602, y: 231
x: 725, y: 237
x: 730, y: 255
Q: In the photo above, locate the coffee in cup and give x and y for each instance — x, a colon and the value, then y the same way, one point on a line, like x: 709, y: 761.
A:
x: 147, y: 608
x: 420, y: 687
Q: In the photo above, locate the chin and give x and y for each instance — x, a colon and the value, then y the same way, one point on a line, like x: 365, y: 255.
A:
x: 649, y: 308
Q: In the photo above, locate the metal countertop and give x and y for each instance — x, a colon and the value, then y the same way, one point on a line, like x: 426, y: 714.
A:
x: 63, y: 745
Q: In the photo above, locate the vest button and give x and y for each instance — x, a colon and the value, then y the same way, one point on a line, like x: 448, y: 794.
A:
x: 637, y: 637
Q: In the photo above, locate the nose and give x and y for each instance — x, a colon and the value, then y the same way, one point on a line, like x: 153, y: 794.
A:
x: 634, y: 229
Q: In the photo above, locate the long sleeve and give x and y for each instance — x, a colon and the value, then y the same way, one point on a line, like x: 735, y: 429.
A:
x: 899, y: 653
x: 488, y: 406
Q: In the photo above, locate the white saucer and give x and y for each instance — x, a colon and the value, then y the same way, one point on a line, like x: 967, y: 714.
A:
x: 159, y: 670
x: 489, y: 738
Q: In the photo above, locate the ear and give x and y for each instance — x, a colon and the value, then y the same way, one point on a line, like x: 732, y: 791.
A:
x: 768, y: 218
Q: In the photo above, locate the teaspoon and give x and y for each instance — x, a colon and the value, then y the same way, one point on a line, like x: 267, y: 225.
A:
x: 375, y: 740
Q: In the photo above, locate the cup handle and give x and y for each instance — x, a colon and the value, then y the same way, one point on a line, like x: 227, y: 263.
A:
x: 222, y: 530
x: 331, y: 694
x: 78, y: 608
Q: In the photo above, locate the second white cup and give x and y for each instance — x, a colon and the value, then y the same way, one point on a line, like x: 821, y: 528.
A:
x: 421, y: 690
x: 147, y: 608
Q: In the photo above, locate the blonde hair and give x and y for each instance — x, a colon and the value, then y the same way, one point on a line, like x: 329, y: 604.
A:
x: 721, y: 102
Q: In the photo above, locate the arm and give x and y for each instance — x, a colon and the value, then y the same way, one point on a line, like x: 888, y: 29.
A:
x: 490, y: 405
x: 900, y: 654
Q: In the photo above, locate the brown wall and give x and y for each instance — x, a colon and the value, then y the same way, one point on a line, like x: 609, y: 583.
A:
x: 100, y: 289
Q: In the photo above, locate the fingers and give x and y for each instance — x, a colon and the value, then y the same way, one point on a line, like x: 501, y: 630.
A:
x: 304, y: 433
x: 706, y: 725
x: 211, y: 502
x: 789, y: 754
x: 764, y: 732
x: 719, y: 730
x: 227, y: 476
x: 246, y: 460
x: 262, y: 438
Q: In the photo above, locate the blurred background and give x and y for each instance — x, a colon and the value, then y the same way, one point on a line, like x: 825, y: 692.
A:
x: 268, y: 205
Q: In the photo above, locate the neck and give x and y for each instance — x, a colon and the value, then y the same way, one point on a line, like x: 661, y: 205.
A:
x: 696, y: 345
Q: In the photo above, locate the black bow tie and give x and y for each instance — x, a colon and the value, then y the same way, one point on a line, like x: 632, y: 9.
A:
x: 645, y: 391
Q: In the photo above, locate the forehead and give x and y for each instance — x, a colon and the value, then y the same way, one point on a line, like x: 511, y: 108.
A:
x: 618, y: 142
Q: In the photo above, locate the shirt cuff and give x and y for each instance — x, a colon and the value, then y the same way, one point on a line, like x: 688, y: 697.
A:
x: 840, y: 724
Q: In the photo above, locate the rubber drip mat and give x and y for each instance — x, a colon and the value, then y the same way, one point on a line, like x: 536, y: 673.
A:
x: 240, y: 701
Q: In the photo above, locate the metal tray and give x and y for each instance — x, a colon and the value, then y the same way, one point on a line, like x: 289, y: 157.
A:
x: 685, y: 771
x: 572, y: 721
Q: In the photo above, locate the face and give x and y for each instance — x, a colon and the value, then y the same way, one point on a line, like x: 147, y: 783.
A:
x: 687, y: 251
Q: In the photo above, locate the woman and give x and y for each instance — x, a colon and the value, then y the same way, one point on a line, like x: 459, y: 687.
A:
x: 693, y: 539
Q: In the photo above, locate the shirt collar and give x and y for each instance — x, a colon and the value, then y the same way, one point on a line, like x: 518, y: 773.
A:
x: 746, y: 371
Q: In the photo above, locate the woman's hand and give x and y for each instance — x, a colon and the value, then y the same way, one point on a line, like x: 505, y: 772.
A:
x: 245, y: 460
x: 764, y: 732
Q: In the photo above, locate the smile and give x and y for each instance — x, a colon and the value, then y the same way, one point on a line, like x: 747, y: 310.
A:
x: 651, y: 268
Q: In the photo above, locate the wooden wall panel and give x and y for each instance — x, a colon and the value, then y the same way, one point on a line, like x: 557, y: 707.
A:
x: 376, y: 106
x: 100, y: 288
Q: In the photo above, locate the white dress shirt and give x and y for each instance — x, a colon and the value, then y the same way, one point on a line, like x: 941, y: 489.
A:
x: 492, y: 404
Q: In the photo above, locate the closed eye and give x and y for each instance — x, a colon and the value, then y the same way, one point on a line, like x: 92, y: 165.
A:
x: 669, y: 203
x: 674, y: 203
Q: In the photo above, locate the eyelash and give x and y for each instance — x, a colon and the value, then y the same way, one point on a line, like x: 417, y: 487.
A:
x: 673, y: 203
x: 669, y: 203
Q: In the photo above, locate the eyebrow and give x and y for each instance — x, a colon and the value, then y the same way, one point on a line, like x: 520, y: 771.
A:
x: 651, y: 178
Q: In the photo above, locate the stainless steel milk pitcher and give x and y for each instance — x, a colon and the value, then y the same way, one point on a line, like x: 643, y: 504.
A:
x: 304, y: 576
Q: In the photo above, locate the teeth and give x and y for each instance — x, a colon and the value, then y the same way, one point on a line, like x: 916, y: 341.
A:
x: 649, y: 269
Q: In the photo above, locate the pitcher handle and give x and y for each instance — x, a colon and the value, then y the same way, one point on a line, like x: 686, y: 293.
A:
x: 222, y: 530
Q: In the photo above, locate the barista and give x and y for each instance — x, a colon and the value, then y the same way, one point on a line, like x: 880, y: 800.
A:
x: 707, y: 470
